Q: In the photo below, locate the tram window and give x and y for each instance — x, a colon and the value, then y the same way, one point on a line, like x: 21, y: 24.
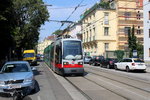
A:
x: 57, y: 54
x: 72, y: 49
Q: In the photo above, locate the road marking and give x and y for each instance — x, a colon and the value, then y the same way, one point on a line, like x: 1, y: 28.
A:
x: 39, y: 98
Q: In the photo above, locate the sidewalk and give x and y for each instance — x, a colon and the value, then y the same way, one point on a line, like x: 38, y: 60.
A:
x: 148, y: 67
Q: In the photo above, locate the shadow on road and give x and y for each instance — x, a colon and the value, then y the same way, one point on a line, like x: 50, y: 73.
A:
x: 76, y: 75
x: 36, y: 72
x: 27, y: 98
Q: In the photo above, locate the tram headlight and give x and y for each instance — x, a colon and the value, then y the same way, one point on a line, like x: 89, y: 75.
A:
x: 65, y: 63
x: 80, y: 63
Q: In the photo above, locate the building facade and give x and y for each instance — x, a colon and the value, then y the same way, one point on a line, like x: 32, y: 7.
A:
x: 146, y: 9
x: 129, y: 15
x: 74, y: 30
x: 98, y: 33
x: 110, y: 27
x: 42, y: 45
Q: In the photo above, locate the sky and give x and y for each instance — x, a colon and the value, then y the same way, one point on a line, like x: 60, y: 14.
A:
x: 60, y: 10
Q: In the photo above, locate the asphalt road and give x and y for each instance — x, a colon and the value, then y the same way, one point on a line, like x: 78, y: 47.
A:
x: 97, y: 84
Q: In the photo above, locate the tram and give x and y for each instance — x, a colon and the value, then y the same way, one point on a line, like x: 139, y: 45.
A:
x: 65, y: 56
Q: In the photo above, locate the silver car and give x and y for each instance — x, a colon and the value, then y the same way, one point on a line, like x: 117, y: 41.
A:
x: 16, y: 75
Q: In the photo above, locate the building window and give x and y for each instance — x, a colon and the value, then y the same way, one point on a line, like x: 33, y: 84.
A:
x: 138, y: 15
x: 149, y: 52
x: 138, y: 30
x: 106, y: 31
x: 106, y: 46
x: 94, y: 31
x: 106, y: 21
x: 149, y: 15
x: 127, y: 15
x: 149, y: 33
x: 126, y: 30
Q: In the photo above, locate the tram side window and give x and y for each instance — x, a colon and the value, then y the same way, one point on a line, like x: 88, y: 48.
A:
x: 58, y: 54
x: 52, y: 52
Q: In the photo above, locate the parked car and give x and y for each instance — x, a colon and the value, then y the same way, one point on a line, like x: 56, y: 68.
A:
x: 17, y: 75
x: 87, y: 59
x: 108, y: 62
x: 129, y: 64
x: 96, y: 60
x: 38, y: 57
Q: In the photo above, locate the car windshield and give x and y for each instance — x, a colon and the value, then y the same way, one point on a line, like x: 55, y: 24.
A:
x: 88, y: 57
x: 12, y: 68
x: 28, y: 55
x: 99, y: 57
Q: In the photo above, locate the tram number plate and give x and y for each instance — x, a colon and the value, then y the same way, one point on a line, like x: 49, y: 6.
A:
x: 73, y: 70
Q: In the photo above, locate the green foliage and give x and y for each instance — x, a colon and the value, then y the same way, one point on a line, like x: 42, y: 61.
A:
x: 140, y: 50
x: 132, y: 41
x: 104, y: 5
x: 20, y: 22
x: 29, y: 16
x: 5, y: 28
x: 119, y: 54
x: 57, y: 32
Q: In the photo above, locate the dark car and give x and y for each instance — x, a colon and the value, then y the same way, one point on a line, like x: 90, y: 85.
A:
x: 38, y: 57
x: 108, y: 62
x: 96, y: 60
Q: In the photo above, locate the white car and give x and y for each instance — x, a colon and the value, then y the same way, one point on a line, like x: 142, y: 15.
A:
x: 130, y: 64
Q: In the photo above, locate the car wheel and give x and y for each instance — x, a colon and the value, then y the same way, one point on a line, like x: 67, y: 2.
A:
x: 144, y: 71
x: 100, y: 65
x: 127, y: 69
x: 36, y: 87
x: 108, y: 66
x: 93, y: 64
x: 116, y: 67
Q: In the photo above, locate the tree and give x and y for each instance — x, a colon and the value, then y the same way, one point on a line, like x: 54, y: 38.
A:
x: 29, y: 15
x: 119, y: 54
x: 20, y: 22
x: 140, y: 50
x: 132, y: 41
x: 104, y: 5
x: 58, y: 32
x: 6, y: 28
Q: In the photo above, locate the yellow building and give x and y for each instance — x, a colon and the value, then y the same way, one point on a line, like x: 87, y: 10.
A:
x: 98, y: 32
x: 129, y: 14
x: 107, y: 29
x: 42, y: 45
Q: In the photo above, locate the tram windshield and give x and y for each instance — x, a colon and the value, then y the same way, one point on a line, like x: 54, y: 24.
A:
x: 72, y: 50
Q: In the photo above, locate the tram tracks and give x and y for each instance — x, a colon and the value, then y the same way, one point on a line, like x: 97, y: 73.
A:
x: 82, y: 92
x: 120, y: 75
x: 120, y: 88
x: 135, y: 81
x: 88, y: 96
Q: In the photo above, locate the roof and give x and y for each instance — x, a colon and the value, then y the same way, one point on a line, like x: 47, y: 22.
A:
x: 51, y: 37
x: 100, y: 5
x: 15, y: 62
x: 29, y: 51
